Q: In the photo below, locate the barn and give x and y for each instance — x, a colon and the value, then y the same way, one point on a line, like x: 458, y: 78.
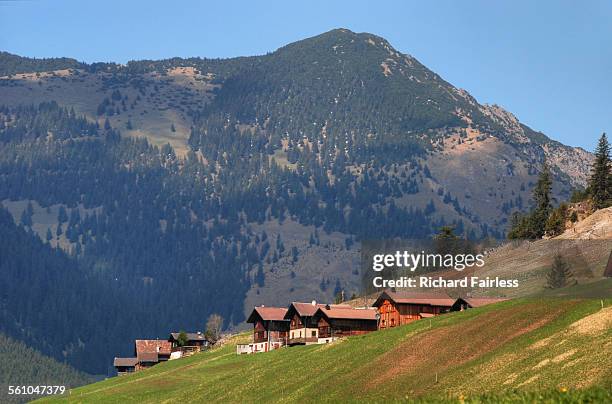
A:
x: 340, y: 321
x: 270, y: 329
x: 398, y: 308
x: 303, y: 327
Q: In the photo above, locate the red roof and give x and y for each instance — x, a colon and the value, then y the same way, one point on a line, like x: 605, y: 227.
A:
x: 408, y: 297
x: 267, y: 314
x: 153, y: 346
x: 148, y: 357
x: 309, y: 309
x: 348, y: 313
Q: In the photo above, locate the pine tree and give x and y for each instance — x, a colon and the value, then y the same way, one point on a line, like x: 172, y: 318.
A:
x: 600, y: 183
x: 62, y: 216
x: 559, y: 274
x: 543, y: 205
x: 533, y: 225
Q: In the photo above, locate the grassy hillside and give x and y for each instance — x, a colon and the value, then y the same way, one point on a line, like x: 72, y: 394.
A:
x: 517, y: 350
x: 21, y: 365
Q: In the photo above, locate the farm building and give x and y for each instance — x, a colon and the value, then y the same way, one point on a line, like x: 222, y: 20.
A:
x: 147, y: 352
x: 398, y: 308
x: 125, y: 365
x: 270, y: 330
x: 303, y: 327
x: 150, y: 352
x: 341, y: 321
x: 195, y: 342
x: 470, y: 302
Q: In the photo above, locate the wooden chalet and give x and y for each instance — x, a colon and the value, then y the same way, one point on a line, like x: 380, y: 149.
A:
x: 125, y: 365
x: 150, y: 352
x: 270, y: 329
x: 196, y: 342
x: 398, y: 308
x: 341, y: 321
x: 464, y: 303
x: 303, y: 326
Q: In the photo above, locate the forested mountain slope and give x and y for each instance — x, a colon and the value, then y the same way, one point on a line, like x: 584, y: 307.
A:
x: 23, y: 366
x: 185, y: 187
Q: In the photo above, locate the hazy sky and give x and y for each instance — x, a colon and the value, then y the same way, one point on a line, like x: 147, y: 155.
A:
x: 548, y: 62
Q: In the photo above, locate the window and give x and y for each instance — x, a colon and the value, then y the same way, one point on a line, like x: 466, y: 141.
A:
x: 314, y: 334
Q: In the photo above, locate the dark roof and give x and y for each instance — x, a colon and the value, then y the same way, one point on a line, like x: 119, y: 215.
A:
x: 309, y: 309
x: 423, y: 298
x: 267, y: 314
x: 347, y: 313
x: 125, y: 362
x: 191, y: 336
x: 152, y: 346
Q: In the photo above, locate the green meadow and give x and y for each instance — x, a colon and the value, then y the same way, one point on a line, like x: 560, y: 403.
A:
x: 544, y: 350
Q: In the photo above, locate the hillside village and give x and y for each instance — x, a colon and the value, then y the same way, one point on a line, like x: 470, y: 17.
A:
x: 306, y: 324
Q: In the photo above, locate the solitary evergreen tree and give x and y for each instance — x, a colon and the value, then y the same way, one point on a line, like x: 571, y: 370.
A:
x: 260, y: 278
x: 533, y: 225
x: 543, y: 205
x: 559, y: 274
x: 600, y: 183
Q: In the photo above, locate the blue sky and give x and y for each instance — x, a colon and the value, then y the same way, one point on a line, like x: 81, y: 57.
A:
x: 548, y: 62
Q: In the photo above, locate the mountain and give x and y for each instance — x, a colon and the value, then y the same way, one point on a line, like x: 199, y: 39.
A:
x: 179, y: 188
x: 551, y: 350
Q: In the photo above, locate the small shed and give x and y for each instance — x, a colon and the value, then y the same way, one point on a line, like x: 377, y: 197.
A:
x: 125, y: 365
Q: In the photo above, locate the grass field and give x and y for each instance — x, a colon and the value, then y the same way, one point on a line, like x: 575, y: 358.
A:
x: 551, y: 350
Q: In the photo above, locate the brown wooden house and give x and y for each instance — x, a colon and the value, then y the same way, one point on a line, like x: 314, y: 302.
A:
x: 464, y: 303
x: 398, y: 308
x: 270, y: 329
x: 150, y: 352
x: 196, y: 342
x: 303, y: 326
x: 341, y: 321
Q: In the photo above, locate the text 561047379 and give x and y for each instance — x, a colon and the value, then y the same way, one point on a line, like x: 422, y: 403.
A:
x: 39, y: 390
